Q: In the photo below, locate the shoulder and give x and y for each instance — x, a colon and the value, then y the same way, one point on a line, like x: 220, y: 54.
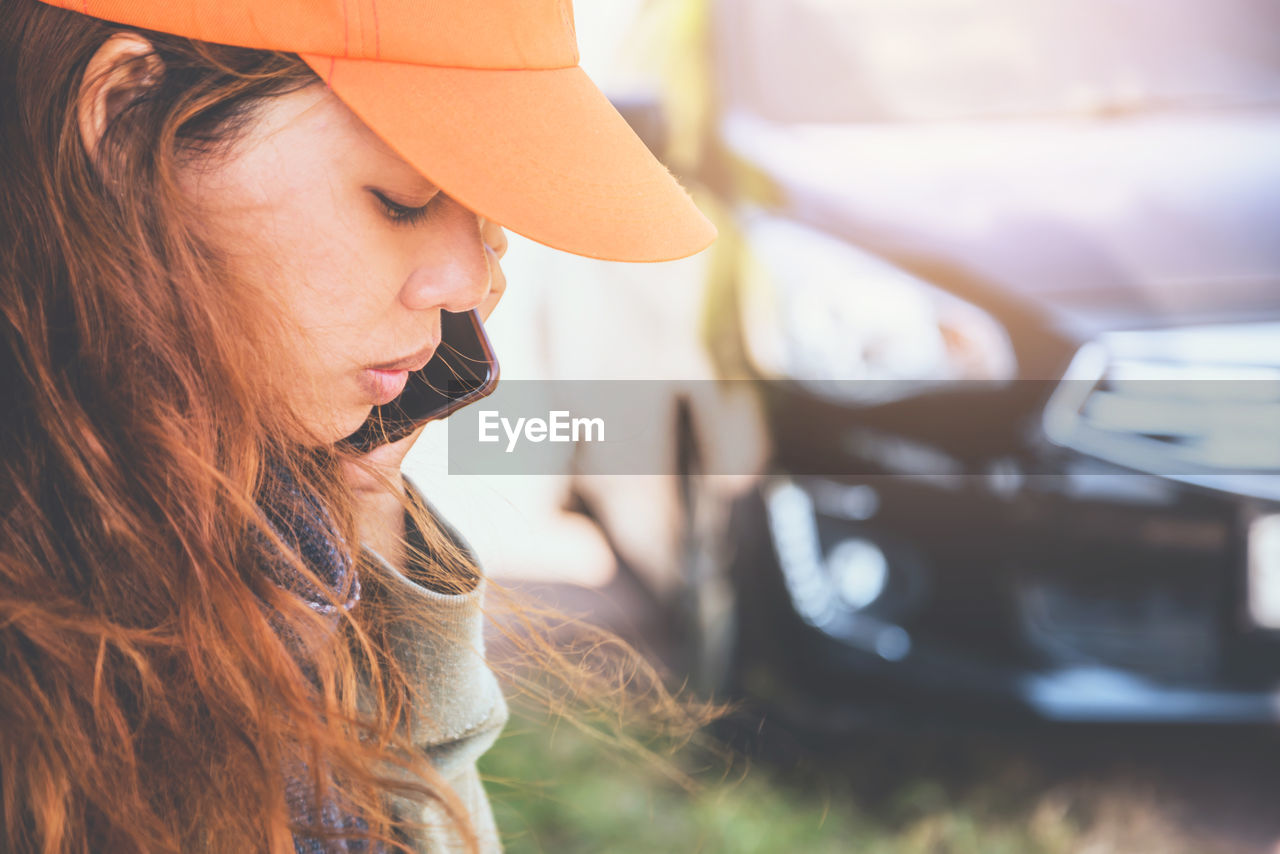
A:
x: 428, y: 567
x: 455, y: 536
x: 437, y: 637
x: 437, y: 631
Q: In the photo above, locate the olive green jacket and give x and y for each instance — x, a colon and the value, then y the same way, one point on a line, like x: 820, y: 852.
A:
x: 468, y: 709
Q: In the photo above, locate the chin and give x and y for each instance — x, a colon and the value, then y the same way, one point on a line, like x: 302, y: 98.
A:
x: 339, y: 424
x: 353, y: 422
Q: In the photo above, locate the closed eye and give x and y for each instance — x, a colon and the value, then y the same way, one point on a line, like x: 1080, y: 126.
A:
x: 407, y: 216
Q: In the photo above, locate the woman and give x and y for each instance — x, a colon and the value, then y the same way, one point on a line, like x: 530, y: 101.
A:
x: 229, y: 228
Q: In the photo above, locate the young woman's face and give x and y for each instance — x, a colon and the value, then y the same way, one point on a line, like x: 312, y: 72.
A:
x: 358, y: 249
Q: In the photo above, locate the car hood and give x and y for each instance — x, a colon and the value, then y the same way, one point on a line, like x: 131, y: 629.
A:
x: 1104, y: 223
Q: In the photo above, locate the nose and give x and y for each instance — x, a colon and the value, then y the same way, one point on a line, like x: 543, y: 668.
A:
x: 452, y: 271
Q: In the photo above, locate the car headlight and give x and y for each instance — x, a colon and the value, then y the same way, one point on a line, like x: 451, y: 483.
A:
x: 840, y: 321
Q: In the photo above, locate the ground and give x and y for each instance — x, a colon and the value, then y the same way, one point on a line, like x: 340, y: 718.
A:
x: 1165, y: 790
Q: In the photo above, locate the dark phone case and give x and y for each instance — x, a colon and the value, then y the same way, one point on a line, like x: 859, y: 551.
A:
x: 463, y: 370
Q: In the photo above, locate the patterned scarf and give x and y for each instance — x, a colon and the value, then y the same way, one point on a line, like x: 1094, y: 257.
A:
x: 306, y: 526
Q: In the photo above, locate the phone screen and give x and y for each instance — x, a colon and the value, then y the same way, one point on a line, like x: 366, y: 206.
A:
x: 463, y: 370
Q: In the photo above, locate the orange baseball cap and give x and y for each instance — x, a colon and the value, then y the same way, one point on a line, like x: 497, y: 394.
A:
x: 483, y: 97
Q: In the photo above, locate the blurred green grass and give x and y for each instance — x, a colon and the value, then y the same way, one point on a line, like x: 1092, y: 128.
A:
x: 555, y: 789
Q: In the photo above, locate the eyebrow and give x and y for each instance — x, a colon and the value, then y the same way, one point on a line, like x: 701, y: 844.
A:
x: 424, y: 183
x: 414, y: 187
x: 421, y: 189
x: 411, y: 179
x: 401, y: 174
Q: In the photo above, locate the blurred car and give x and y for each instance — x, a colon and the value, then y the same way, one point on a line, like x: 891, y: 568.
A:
x: 1006, y: 277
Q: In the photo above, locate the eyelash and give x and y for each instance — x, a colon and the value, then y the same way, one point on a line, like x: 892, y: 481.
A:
x: 401, y: 215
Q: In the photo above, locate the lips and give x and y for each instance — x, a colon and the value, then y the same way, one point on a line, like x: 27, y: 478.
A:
x: 384, y: 386
x: 413, y: 362
x: 384, y: 382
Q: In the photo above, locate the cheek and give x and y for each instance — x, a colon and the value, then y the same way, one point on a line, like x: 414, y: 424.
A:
x: 341, y: 305
x: 320, y: 376
x: 306, y: 275
x: 324, y: 275
x: 335, y: 305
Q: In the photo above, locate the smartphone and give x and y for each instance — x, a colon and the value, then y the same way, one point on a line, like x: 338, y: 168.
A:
x: 462, y: 371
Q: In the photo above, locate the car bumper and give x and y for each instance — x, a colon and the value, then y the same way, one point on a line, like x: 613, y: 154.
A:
x: 978, y: 642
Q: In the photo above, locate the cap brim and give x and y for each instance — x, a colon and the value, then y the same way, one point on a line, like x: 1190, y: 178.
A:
x: 540, y: 151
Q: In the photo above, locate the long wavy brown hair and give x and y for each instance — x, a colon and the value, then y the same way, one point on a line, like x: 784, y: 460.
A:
x: 154, y: 681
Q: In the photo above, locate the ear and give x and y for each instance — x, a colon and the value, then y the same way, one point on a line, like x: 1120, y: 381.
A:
x: 123, y: 66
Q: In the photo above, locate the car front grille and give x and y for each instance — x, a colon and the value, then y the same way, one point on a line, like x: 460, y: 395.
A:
x: 1202, y: 405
